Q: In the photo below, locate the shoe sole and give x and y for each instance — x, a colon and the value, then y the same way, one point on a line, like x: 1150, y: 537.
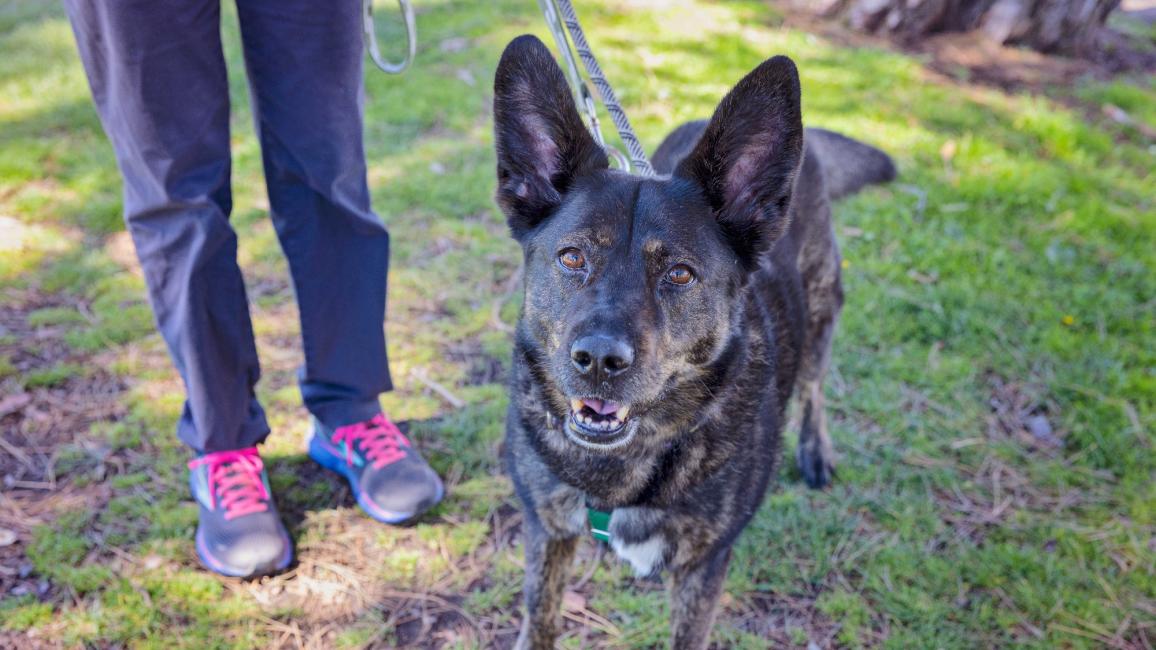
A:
x: 338, y: 465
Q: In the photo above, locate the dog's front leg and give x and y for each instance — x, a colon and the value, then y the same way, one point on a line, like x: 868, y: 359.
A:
x: 694, y: 596
x: 548, y: 563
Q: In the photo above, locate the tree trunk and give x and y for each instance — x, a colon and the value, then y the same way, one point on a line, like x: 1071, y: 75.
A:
x: 1063, y: 26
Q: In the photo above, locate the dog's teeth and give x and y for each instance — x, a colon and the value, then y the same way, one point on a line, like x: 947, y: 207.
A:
x: 576, y: 405
x: 622, y: 413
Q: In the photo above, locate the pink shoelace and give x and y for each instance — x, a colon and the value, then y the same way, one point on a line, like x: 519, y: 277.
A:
x: 381, y: 441
x: 235, y: 477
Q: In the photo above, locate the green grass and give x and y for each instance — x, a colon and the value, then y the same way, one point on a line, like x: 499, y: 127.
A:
x: 1010, y: 272
x: 7, y: 369
x: 53, y: 376
x: 54, y: 316
x: 24, y: 612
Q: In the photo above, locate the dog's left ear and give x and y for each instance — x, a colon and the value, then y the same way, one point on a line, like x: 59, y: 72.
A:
x: 542, y: 143
x: 748, y: 156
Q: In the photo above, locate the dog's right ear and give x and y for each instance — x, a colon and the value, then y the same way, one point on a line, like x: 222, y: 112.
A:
x: 542, y: 143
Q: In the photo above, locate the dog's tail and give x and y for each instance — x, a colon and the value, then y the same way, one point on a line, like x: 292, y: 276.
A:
x: 848, y: 165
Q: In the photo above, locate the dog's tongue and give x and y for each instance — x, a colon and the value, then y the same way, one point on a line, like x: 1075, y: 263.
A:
x: 600, y: 407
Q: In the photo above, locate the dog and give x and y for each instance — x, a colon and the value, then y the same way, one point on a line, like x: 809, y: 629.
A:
x: 665, y: 325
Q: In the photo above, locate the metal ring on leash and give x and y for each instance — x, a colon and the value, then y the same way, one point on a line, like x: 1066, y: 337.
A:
x: 561, y: 18
x: 369, y: 35
x: 583, y: 97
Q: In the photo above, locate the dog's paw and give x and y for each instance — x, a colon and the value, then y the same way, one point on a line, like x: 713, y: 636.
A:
x: 817, y: 468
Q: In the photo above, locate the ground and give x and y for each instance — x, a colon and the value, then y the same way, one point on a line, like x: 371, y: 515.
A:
x: 993, y: 394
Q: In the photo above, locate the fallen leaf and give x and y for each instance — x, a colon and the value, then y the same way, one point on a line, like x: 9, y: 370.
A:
x: 14, y: 403
x: 572, y: 601
x: 947, y: 151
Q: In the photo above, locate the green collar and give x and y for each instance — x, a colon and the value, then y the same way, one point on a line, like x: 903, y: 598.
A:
x: 599, y: 524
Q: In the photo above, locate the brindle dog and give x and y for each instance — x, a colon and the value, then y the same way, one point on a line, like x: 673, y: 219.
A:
x: 665, y: 325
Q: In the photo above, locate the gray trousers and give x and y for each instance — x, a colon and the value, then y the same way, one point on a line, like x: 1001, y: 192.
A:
x: 157, y: 75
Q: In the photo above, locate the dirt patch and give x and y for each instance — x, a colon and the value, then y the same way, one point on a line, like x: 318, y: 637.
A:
x: 782, y: 620
x: 43, y: 432
x: 481, y: 368
x: 974, y: 58
x: 1021, y: 411
x: 970, y: 57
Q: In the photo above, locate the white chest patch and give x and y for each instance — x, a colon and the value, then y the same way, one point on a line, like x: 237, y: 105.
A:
x: 644, y: 557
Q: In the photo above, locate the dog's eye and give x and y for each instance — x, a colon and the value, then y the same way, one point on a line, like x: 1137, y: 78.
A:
x: 680, y: 274
x: 572, y: 259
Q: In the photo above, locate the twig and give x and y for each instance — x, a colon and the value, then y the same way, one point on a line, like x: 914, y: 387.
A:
x: 600, y: 550
x: 512, y: 283
x: 449, y: 606
x: 1102, y: 638
x: 586, y: 617
x: 18, y: 454
x: 33, y: 485
x: 442, y: 391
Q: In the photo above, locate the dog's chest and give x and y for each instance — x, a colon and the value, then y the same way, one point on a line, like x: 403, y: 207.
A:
x: 645, y: 557
x: 637, y: 536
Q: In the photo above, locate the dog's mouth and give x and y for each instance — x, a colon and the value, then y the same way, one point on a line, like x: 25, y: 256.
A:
x: 598, y: 422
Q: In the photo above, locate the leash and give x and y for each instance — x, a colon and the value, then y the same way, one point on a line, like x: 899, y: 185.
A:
x: 559, y: 13
x: 560, y: 18
x: 369, y: 36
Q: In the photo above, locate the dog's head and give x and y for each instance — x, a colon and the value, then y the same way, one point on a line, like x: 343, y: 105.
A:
x: 633, y: 284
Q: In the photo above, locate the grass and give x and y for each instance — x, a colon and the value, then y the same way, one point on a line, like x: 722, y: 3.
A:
x: 1009, y: 275
x: 53, y: 376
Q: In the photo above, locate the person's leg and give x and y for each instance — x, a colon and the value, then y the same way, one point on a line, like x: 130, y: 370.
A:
x: 158, y: 78
x: 157, y: 75
x: 305, y: 68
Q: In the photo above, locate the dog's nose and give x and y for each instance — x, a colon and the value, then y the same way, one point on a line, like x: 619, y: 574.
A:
x: 601, y: 355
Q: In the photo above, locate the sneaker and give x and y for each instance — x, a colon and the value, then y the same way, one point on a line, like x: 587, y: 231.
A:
x: 240, y: 533
x: 392, y: 482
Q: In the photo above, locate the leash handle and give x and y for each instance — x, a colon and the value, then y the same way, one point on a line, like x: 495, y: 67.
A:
x: 369, y: 36
x: 559, y: 13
